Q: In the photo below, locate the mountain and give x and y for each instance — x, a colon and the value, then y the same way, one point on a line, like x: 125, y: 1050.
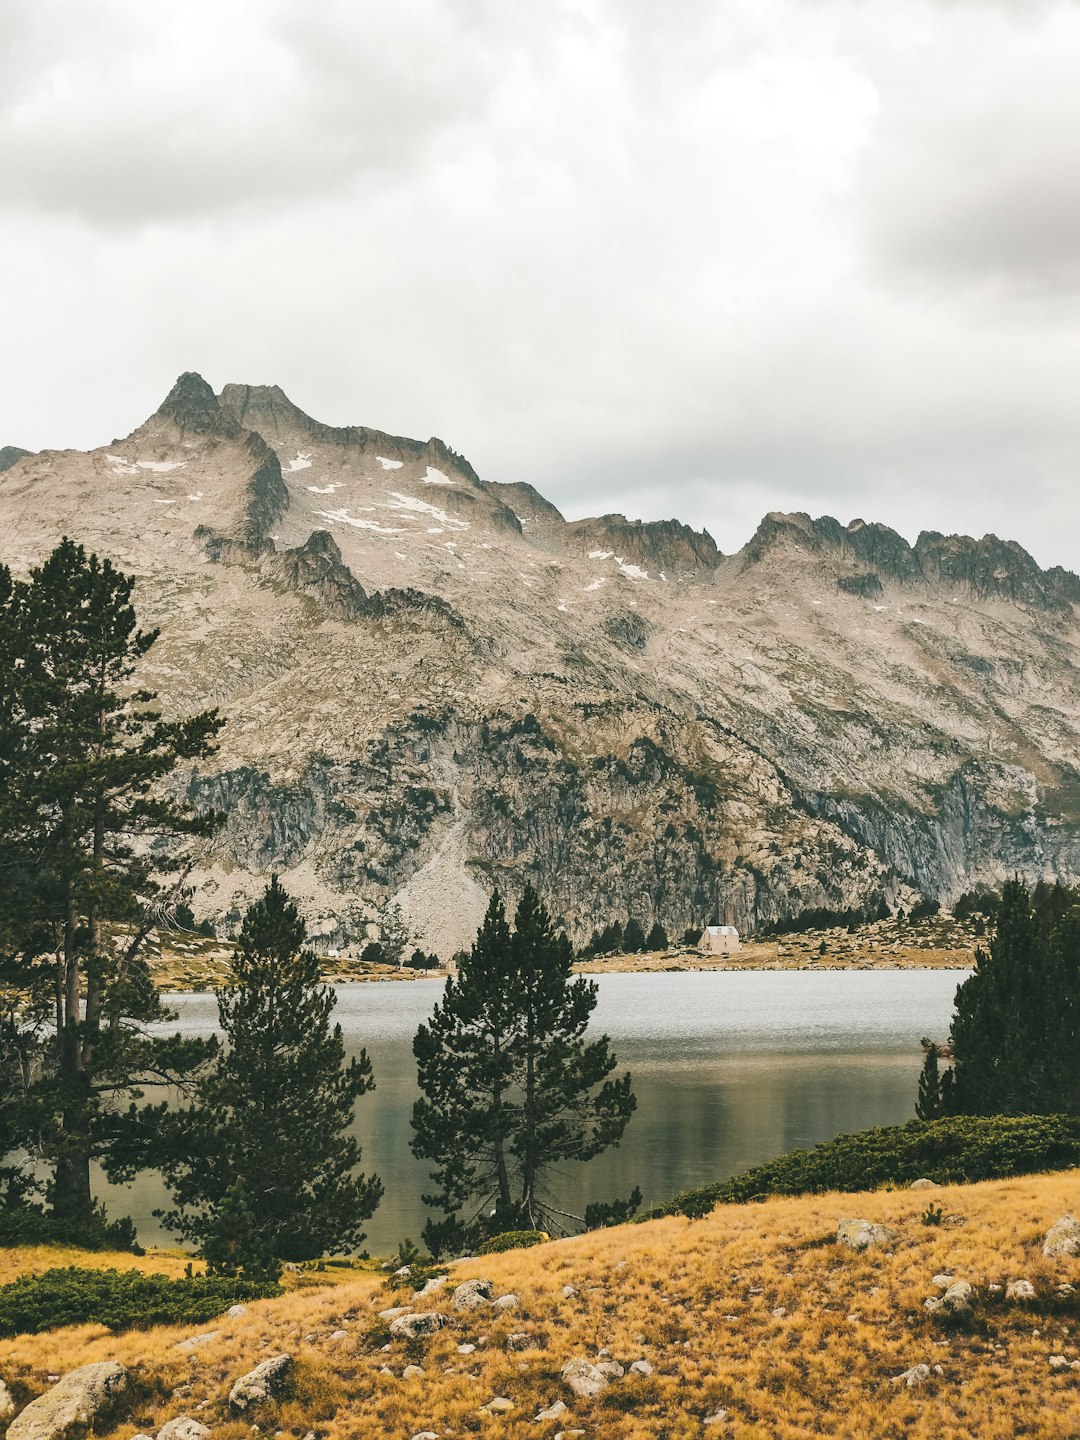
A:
x: 435, y: 684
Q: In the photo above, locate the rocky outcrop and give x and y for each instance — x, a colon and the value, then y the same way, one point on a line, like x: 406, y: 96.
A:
x: 269, y: 1380
x: 653, y: 545
x: 9, y: 454
x: 1063, y: 1238
x: 72, y: 1405
x: 862, y: 1235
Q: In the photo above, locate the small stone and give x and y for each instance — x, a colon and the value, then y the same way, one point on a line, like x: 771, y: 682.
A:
x: 917, y: 1376
x: 500, y: 1405
x: 860, y: 1235
x: 235, y: 1312
x: 923, y: 1184
x: 569, y: 1293
x: 506, y: 1302
x: 584, y: 1379
x: 425, y: 1435
x: 431, y: 1286
x: 412, y: 1327
x: 612, y: 1369
x: 957, y: 1302
x: 412, y: 1372
x: 339, y: 1334
x: 268, y: 1381
x: 779, y: 1312
x: 183, y: 1428
x: 473, y: 1295
x: 1063, y: 1237
x: 404, y: 1272
x: 394, y: 1312
x: 195, y: 1342
x: 718, y: 1417
x: 554, y: 1412
x: 466, y: 1349
x: 1019, y: 1290
x: 641, y: 1367
x: 1058, y: 1362
x: 519, y: 1340
x: 942, y: 1281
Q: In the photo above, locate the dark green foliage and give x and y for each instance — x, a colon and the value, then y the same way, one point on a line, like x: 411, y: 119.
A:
x: 932, y: 1215
x: 31, y: 1224
x: 510, y: 1087
x: 958, y: 1149
x: 608, y: 941
x: 1016, y: 1031
x: 691, y: 936
x: 817, y: 918
x: 88, y: 835
x: 633, y: 938
x: 924, y: 910
x: 374, y: 954
x: 929, y: 1104
x: 419, y: 961
x: 262, y: 1167
x: 512, y: 1240
x: 981, y: 903
x: 602, y: 1213
x: 657, y: 938
x: 118, y: 1299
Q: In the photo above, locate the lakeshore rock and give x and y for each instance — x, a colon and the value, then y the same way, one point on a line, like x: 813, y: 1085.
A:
x: 73, y: 1403
x: 860, y: 1235
x: 584, y: 1379
x: 268, y: 1381
x: 1063, y: 1237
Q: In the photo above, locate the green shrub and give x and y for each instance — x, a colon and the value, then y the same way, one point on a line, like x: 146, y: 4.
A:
x: 512, y: 1240
x: 959, y: 1149
x: 27, y: 1224
x: 118, y: 1299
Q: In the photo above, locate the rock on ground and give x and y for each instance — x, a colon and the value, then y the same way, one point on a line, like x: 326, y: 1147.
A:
x: 7, y: 1403
x: 506, y: 1302
x: 917, y: 1376
x: 73, y: 1402
x: 268, y: 1381
x: 923, y: 1184
x: 183, y: 1428
x: 413, y: 1327
x: 1019, y: 1290
x: 1063, y: 1237
x: 957, y: 1301
x: 641, y: 1367
x: 862, y: 1235
x: 558, y: 1411
x: 584, y: 1379
x: 473, y: 1295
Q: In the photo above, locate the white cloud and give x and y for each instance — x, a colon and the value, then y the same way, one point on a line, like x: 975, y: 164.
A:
x: 690, y: 260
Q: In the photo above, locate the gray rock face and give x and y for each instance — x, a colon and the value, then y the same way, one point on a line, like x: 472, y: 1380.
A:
x: 414, y: 1327
x: 183, y: 1428
x: 862, y: 1235
x: 473, y: 1295
x: 72, y: 1404
x: 268, y: 1381
x: 584, y: 1379
x: 1063, y: 1237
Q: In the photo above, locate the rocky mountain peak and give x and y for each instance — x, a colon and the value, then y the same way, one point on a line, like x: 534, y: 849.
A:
x: 192, y: 404
x: 653, y: 545
x: 9, y: 454
x: 267, y: 409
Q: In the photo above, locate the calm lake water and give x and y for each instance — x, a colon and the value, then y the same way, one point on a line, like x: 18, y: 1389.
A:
x: 729, y: 1070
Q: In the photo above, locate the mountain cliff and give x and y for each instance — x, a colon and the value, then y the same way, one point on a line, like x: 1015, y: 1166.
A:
x: 435, y: 684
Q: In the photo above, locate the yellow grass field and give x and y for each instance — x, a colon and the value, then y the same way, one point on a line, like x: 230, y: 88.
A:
x: 754, y: 1310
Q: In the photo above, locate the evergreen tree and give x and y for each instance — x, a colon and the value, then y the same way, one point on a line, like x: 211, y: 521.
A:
x: 929, y: 1105
x: 657, y: 938
x: 1016, y: 1030
x: 262, y: 1164
x: 87, y: 845
x: 633, y: 938
x: 511, y: 1088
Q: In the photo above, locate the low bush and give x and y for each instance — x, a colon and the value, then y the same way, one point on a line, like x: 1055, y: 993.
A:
x: 959, y: 1149
x: 118, y: 1299
x: 28, y: 1224
x: 512, y: 1240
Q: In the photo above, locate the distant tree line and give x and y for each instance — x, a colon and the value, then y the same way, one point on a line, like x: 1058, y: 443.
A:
x: 616, y: 939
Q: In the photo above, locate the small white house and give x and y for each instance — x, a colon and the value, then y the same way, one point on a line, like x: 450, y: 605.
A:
x: 719, y: 940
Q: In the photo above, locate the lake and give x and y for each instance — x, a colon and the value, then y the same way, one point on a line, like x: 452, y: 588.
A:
x: 729, y: 1069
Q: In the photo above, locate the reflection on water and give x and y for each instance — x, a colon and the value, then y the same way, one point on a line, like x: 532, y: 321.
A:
x: 729, y: 1070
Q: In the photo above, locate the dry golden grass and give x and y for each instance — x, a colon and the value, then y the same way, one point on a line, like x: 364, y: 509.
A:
x: 33, y: 1259
x: 753, y: 1309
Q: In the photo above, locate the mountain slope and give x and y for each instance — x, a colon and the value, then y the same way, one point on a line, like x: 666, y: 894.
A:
x: 434, y: 683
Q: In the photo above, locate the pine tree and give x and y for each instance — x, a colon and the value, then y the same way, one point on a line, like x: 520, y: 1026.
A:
x: 511, y: 1088
x: 262, y: 1164
x: 633, y: 938
x: 1016, y: 1030
x: 83, y: 758
x: 929, y: 1105
x: 657, y: 938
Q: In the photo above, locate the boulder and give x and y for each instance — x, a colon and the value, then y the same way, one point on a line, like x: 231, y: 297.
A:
x: 519, y: 1340
x: 73, y: 1402
x: 584, y: 1379
x: 234, y: 1312
x: 1063, y: 1237
x: 412, y: 1372
x: 923, y: 1184
x: 612, y: 1369
x: 957, y: 1302
x: 862, y: 1235
x: 1019, y: 1290
x: 558, y: 1411
x: 431, y: 1286
x: 506, y: 1302
x: 268, y: 1381
x: 183, y: 1428
x: 914, y: 1378
x: 569, y: 1293
x: 414, y: 1327
x: 641, y: 1367
x: 473, y: 1295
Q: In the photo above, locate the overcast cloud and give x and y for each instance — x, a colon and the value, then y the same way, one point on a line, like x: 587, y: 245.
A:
x: 698, y: 259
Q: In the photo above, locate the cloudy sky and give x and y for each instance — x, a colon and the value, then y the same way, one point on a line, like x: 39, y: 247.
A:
x: 707, y: 258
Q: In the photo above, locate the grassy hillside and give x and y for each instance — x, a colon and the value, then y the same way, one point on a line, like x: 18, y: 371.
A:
x: 753, y: 1309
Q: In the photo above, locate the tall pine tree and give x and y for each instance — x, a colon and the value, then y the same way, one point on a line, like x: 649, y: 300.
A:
x: 510, y: 1086
x: 88, y: 838
x: 262, y: 1167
